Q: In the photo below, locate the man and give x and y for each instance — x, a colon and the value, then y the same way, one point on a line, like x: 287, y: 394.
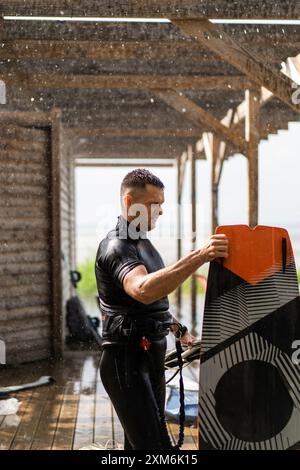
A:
x: 133, y: 285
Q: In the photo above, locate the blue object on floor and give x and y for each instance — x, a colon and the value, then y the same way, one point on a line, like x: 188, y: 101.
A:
x: 191, y: 405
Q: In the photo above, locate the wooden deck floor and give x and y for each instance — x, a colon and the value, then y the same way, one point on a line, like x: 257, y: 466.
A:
x: 73, y: 413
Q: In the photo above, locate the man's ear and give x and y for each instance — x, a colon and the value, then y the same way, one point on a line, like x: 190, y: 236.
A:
x: 127, y: 201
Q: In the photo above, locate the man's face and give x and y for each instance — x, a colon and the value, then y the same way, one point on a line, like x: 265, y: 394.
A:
x: 145, y: 206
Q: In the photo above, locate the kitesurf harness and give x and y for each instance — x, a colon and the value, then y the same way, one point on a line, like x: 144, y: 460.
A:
x: 145, y: 344
x: 129, y: 328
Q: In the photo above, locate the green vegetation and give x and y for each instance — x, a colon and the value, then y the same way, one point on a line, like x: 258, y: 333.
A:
x: 87, y: 286
x: 186, y: 287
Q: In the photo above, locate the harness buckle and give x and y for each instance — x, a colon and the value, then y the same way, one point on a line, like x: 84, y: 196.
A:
x: 145, y: 343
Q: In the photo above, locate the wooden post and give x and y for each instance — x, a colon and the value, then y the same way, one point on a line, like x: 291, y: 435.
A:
x: 215, y: 181
x: 252, y: 98
x: 56, y: 234
x: 179, y: 232
x: 212, y: 148
x: 192, y: 159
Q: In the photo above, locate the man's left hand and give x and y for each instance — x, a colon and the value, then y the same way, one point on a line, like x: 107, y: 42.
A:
x: 187, y: 339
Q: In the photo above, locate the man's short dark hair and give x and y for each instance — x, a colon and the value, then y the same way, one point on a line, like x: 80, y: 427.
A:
x: 138, y: 178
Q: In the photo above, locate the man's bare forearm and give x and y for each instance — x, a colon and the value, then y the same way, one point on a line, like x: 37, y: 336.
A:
x: 160, y: 283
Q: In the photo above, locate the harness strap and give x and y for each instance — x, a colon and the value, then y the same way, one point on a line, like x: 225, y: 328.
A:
x: 181, y: 396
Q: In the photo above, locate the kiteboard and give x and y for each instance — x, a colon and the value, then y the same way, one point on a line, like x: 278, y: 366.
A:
x: 249, y: 387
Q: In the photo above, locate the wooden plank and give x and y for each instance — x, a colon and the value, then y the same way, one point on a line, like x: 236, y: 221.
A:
x: 26, y: 190
x: 23, y: 167
x: 30, y: 313
x: 244, y: 60
x: 13, y: 376
x: 68, y: 373
x: 189, y: 443
x: 16, y: 201
x: 84, y: 432
x: 42, y: 321
x: 9, y: 280
x: 20, y: 212
x: 142, y: 49
x: 79, y: 132
x: 22, y: 145
x: 37, y: 400
x: 45, y: 430
x: 96, y: 50
x: 198, y: 115
x: 123, y: 165
x: 25, y: 268
x: 41, y: 332
x: 28, y: 428
x: 23, y: 223
x: 32, y: 350
x: 103, y: 430
x: 117, y: 431
x: 33, y: 301
x: 21, y: 290
x: 21, y: 235
x: 27, y: 118
x: 287, y: 9
x: 22, y: 156
x: 9, y: 427
x: 76, y: 81
x: 66, y: 423
x: 30, y: 134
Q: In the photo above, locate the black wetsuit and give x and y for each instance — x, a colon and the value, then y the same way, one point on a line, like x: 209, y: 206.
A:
x: 133, y: 378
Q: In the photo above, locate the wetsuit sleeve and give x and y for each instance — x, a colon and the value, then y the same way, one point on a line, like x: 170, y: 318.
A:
x: 119, y: 258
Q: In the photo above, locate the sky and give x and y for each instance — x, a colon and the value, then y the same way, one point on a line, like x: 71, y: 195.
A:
x: 97, y: 197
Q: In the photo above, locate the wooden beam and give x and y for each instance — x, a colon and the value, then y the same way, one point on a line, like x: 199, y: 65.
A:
x: 125, y: 164
x: 145, y: 50
x: 140, y: 148
x: 136, y: 153
x: 69, y: 81
x: 237, y: 121
x: 184, y: 159
x: 244, y: 60
x: 199, y: 116
x: 85, y: 132
x: 252, y: 98
x: 287, y: 9
x: 94, y: 156
x: 99, y: 50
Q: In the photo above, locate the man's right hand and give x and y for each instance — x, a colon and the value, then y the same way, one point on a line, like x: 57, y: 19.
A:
x: 215, y: 247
